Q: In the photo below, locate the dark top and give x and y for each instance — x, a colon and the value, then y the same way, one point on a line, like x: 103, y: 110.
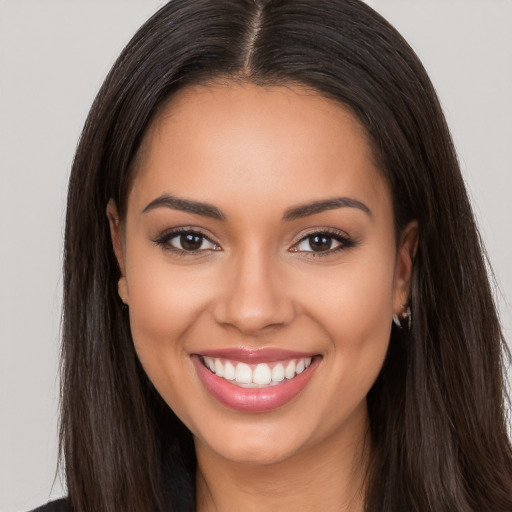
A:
x: 178, y: 465
x: 61, y: 505
x: 181, y: 493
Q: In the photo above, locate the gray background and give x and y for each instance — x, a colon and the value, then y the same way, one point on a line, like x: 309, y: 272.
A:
x: 53, y: 57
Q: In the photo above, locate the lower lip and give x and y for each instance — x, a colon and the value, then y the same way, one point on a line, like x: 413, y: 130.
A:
x: 253, y: 399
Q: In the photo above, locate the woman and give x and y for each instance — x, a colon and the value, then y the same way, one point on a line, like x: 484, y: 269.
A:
x: 275, y: 294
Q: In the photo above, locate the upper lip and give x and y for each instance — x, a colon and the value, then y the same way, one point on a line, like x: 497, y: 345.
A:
x: 254, y: 356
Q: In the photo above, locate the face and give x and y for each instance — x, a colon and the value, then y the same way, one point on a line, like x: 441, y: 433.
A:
x: 260, y: 266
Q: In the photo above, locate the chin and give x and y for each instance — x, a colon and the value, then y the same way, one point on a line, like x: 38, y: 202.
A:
x: 256, y: 451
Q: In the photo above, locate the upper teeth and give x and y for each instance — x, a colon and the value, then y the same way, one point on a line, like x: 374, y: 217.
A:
x: 259, y: 375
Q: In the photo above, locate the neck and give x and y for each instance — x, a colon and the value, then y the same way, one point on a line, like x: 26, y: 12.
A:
x: 328, y: 476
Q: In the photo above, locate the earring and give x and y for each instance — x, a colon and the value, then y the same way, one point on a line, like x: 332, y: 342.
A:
x: 405, y: 315
x: 408, y: 315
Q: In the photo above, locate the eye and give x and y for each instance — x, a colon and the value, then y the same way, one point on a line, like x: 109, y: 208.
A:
x: 186, y: 241
x: 322, y: 242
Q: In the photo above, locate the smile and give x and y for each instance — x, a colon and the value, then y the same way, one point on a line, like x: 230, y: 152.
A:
x: 255, y: 381
x: 257, y: 375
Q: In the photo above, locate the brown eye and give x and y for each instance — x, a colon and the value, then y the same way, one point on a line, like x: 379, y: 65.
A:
x: 319, y: 243
x: 186, y: 242
x: 191, y: 242
x: 323, y: 242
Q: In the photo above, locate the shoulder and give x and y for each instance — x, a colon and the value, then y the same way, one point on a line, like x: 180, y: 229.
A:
x: 61, y: 505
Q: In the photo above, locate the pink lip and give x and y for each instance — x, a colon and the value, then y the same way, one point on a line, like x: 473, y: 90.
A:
x: 252, y: 399
x: 264, y: 355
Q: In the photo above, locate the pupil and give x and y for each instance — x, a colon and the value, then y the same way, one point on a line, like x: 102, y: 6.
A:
x: 191, y: 242
x: 320, y: 243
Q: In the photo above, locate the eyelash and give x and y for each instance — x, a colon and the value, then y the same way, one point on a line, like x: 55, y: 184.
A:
x: 165, y: 241
x: 344, y: 242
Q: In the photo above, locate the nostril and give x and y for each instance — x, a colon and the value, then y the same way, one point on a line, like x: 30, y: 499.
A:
x: 250, y: 317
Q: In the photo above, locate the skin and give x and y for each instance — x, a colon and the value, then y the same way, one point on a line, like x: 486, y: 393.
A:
x: 254, y: 153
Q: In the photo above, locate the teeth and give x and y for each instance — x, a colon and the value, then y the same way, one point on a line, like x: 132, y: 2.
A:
x: 289, y: 372
x: 219, y: 368
x: 278, y: 373
x: 260, y: 375
x: 229, y: 371
x: 209, y: 363
x: 243, y: 373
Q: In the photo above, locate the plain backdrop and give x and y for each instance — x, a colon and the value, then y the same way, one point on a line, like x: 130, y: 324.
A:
x: 53, y: 57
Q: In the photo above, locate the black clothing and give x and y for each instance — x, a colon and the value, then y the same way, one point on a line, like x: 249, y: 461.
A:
x: 61, y: 505
x: 178, y: 465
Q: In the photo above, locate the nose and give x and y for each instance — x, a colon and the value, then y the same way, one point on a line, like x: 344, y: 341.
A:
x: 254, y: 298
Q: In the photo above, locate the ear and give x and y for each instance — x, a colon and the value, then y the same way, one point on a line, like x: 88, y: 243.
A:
x: 116, y: 234
x: 407, y: 248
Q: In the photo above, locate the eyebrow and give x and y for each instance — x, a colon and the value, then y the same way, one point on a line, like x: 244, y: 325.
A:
x: 298, y: 212
x: 185, y: 205
x: 315, y: 207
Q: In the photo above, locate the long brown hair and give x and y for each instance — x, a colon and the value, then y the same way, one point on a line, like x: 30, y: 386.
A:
x: 437, y: 410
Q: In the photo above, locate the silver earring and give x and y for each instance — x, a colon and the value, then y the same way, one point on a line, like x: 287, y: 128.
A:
x: 406, y: 315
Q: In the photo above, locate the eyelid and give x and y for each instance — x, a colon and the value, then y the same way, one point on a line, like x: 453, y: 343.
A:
x: 345, y: 241
x: 166, y: 236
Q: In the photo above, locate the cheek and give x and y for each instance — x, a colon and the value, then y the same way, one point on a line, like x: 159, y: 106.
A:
x: 165, y: 303
x: 354, y: 300
x: 164, y: 299
x: 164, y: 306
x: 354, y: 306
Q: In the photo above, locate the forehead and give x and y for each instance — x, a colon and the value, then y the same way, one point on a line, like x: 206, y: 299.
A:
x: 231, y: 143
